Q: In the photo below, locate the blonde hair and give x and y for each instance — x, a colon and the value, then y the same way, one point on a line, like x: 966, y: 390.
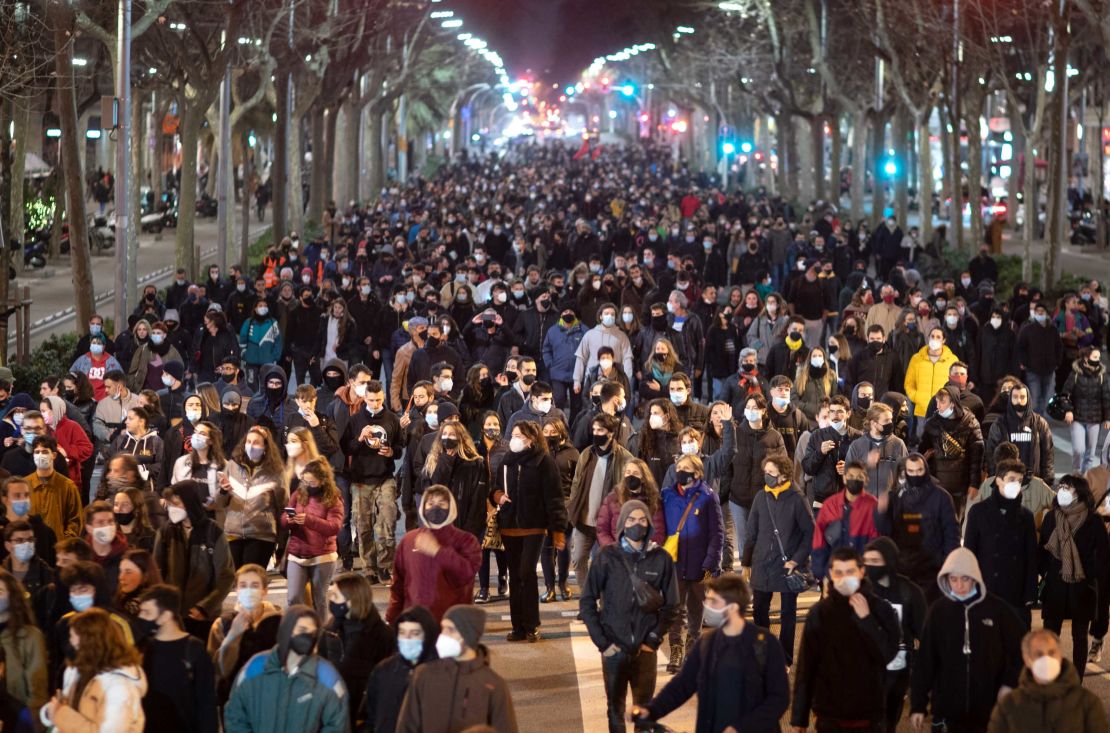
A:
x: 309, y: 450
x: 828, y: 381
x: 693, y: 463
x: 669, y: 364
x: 466, y: 448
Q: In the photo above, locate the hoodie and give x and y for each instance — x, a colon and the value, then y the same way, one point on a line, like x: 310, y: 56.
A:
x: 269, y: 410
x: 110, y: 701
x: 437, y: 582
x: 970, y: 649
x: 902, y: 594
x: 608, y: 604
x: 954, y: 445
x: 391, y: 678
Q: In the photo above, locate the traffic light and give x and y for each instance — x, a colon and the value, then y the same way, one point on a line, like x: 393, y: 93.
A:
x: 728, y: 148
x: 628, y: 89
x: 745, y: 147
x: 890, y: 167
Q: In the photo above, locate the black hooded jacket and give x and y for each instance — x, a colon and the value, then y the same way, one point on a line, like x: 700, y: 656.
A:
x: 391, y: 678
x: 270, y: 408
x: 1032, y: 436
x: 901, y: 593
x: 954, y: 447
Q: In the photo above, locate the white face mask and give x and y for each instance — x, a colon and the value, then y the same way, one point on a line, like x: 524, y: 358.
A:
x: 446, y: 385
x: 846, y: 586
x: 606, y: 364
x: 293, y: 449
x: 542, y: 406
x: 104, y: 535
x: 448, y: 647
x: 817, y: 362
x: 935, y: 344
x: 516, y: 445
x: 1046, y: 669
x: 656, y: 422
x: 996, y: 322
x: 249, y: 598
x: 176, y: 514
x: 360, y: 390
x: 689, y: 449
x: 753, y: 416
x: 192, y: 415
x: 1064, y: 497
x: 1011, y: 489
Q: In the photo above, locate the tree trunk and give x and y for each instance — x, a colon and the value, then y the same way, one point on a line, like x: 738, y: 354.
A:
x: 817, y: 143
x: 331, y: 120
x: 878, y: 189
x: 374, y: 134
x: 788, y: 156
x: 836, y: 155
x: 21, y: 119
x: 248, y: 173
x: 954, y: 172
x: 185, y: 254
x: 279, y: 171
x: 1032, y: 207
x: 972, y: 107
x: 7, y: 241
x: 859, y: 164
x: 1013, y: 183
x: 903, y: 146
x: 63, y: 20
x: 134, y: 223
x: 925, y: 176
x: 317, y: 193
x: 1057, y: 194
x: 296, y: 170
x: 806, y: 164
x: 352, y: 121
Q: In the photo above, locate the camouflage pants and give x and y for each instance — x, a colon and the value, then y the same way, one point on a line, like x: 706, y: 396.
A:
x: 374, y: 520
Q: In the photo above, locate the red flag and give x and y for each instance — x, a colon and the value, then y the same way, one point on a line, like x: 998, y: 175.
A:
x: 582, y: 151
x: 597, y: 153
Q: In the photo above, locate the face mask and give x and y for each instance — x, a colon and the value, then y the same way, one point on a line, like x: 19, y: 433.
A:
x: 753, y: 416
x: 780, y: 402
x: 951, y: 321
x: 96, y: 349
x: 947, y: 413
x: 655, y: 422
x: 626, y: 317
x: 43, y: 461
x: 167, y: 380
x: 192, y: 415
x: 817, y: 362
x: 542, y: 406
x: 1065, y: 497
x: 678, y: 398
x: 95, y: 328
x: 435, y: 516
x: 1040, y: 318
x: 636, y: 533
x: 450, y: 443
x: 176, y: 514
x: 772, y: 481
x: 198, y: 441
x: 302, y: 643
x: 689, y: 449
x: 157, y: 339
x: 1046, y: 669
x: 516, y: 445
x: 448, y: 647
x: 917, y: 481
x: 249, y: 598
x: 846, y: 586
x: 854, y: 486
x: 876, y: 573
x: 293, y: 449
x: 935, y: 344
x: 608, y: 320
x: 360, y: 390
x: 254, y: 453
x: 684, y: 478
x: 410, y: 649
x: 714, y: 617
x: 241, y: 287
x: 21, y: 507
x: 1011, y: 489
x: 80, y: 602
x: 104, y: 535
x: 24, y: 551
x: 962, y: 596
x: 837, y: 425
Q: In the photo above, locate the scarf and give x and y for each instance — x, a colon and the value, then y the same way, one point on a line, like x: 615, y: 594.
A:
x: 1061, y: 544
x: 776, y: 491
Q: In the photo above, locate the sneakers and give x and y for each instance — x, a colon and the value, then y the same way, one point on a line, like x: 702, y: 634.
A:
x: 548, y: 597
x: 482, y: 597
x: 1095, y: 655
x: 675, y: 662
x: 565, y: 593
x: 385, y: 578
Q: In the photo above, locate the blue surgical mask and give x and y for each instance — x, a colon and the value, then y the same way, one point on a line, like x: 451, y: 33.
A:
x: 21, y: 507
x: 964, y: 596
x: 254, y: 452
x: 780, y: 402
x: 28, y: 440
x: 24, y: 551
x: 80, y: 602
x: 410, y: 649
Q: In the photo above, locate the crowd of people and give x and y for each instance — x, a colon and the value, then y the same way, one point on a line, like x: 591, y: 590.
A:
x: 695, y: 400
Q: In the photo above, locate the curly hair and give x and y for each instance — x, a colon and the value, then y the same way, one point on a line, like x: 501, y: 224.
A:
x: 321, y: 469
x: 19, y: 610
x: 102, y: 647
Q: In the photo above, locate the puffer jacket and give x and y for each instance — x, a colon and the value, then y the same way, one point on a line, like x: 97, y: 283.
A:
x: 111, y: 701
x: 609, y: 513
x: 954, y: 447
x: 253, y: 504
x: 790, y: 513
x: 752, y: 447
x: 1061, y: 705
x: 267, y: 698
x: 531, y: 481
x: 924, y: 377
x: 701, y: 540
x: 321, y: 526
x: 1090, y: 393
x: 559, y: 348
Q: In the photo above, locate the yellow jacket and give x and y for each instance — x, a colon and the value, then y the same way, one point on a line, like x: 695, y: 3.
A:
x: 924, y: 378
x: 58, y: 502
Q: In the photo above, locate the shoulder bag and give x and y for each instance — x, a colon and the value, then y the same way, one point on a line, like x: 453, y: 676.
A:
x: 671, y: 543
x: 648, y: 597
x: 798, y: 579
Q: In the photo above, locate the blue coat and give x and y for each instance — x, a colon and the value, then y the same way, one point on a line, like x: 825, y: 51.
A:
x: 702, y: 537
x: 559, y: 347
x: 261, y: 341
x: 267, y: 698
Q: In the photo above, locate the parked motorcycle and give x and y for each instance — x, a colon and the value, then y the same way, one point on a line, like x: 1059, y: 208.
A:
x: 206, y: 205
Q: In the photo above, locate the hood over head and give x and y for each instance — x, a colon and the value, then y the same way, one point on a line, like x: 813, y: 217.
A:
x: 427, y: 621
x: 961, y: 561
x: 337, y: 365
x: 888, y: 549
x: 285, y: 630
x: 192, y: 495
x: 268, y: 372
x: 452, y: 510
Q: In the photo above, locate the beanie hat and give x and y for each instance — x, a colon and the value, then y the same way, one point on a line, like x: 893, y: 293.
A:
x: 470, y: 621
x: 446, y: 410
x: 627, y: 508
x: 175, y: 369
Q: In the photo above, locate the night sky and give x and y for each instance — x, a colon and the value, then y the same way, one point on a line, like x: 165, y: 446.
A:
x: 557, y: 39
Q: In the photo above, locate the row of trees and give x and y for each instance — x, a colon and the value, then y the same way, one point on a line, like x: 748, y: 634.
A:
x: 339, y: 77
x: 846, y: 81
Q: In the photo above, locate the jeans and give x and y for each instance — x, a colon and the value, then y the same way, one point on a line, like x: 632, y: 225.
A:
x: 550, y: 559
x: 719, y: 386
x: 1041, y: 389
x: 563, y: 396
x: 1084, y: 445
x: 779, y: 273
x: 621, y: 671
x: 691, y: 596
x: 581, y: 544
x: 814, y: 332
x: 740, y: 521
x: 502, y: 569
x: 245, y: 552
x: 374, y: 506
x: 761, y: 614
x: 524, y: 596
x: 320, y: 577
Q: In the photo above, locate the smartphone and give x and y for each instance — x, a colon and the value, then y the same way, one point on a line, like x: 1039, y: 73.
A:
x: 290, y: 511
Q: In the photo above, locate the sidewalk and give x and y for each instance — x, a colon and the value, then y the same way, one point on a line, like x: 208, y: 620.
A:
x: 53, y: 310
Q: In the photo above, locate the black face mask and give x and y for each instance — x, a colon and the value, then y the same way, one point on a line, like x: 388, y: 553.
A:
x: 875, y: 346
x: 333, y: 381
x: 888, y: 430
x: 854, y: 486
x: 124, y: 518
x: 747, y: 368
x: 553, y: 442
x: 450, y: 443
x: 863, y: 402
x: 600, y: 442
x: 771, y: 481
x: 1020, y: 410
x: 528, y: 380
x: 432, y: 342
x: 633, y: 483
x: 302, y: 643
x: 659, y: 357
x: 314, y: 490
x: 338, y: 610
x: 917, y: 481
x: 147, y: 629
x: 876, y: 573
x: 684, y: 478
x: 636, y: 533
x: 512, y: 376
x: 435, y: 515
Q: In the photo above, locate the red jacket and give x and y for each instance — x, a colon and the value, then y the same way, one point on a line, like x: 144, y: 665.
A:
x: 829, y: 535
x: 321, y: 526
x: 439, y: 582
x: 610, y: 513
x: 72, y: 439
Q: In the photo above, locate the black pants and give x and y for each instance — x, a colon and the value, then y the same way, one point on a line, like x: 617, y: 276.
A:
x: 502, y: 568
x: 1101, y: 623
x: 244, y: 552
x: 895, y: 685
x: 301, y: 366
x: 524, y: 595
x: 1079, y: 628
x: 621, y: 671
x: 788, y: 618
x: 550, y: 557
x: 343, y: 540
x: 836, y: 726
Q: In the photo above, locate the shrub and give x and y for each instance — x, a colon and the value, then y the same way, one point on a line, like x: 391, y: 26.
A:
x: 51, y: 358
